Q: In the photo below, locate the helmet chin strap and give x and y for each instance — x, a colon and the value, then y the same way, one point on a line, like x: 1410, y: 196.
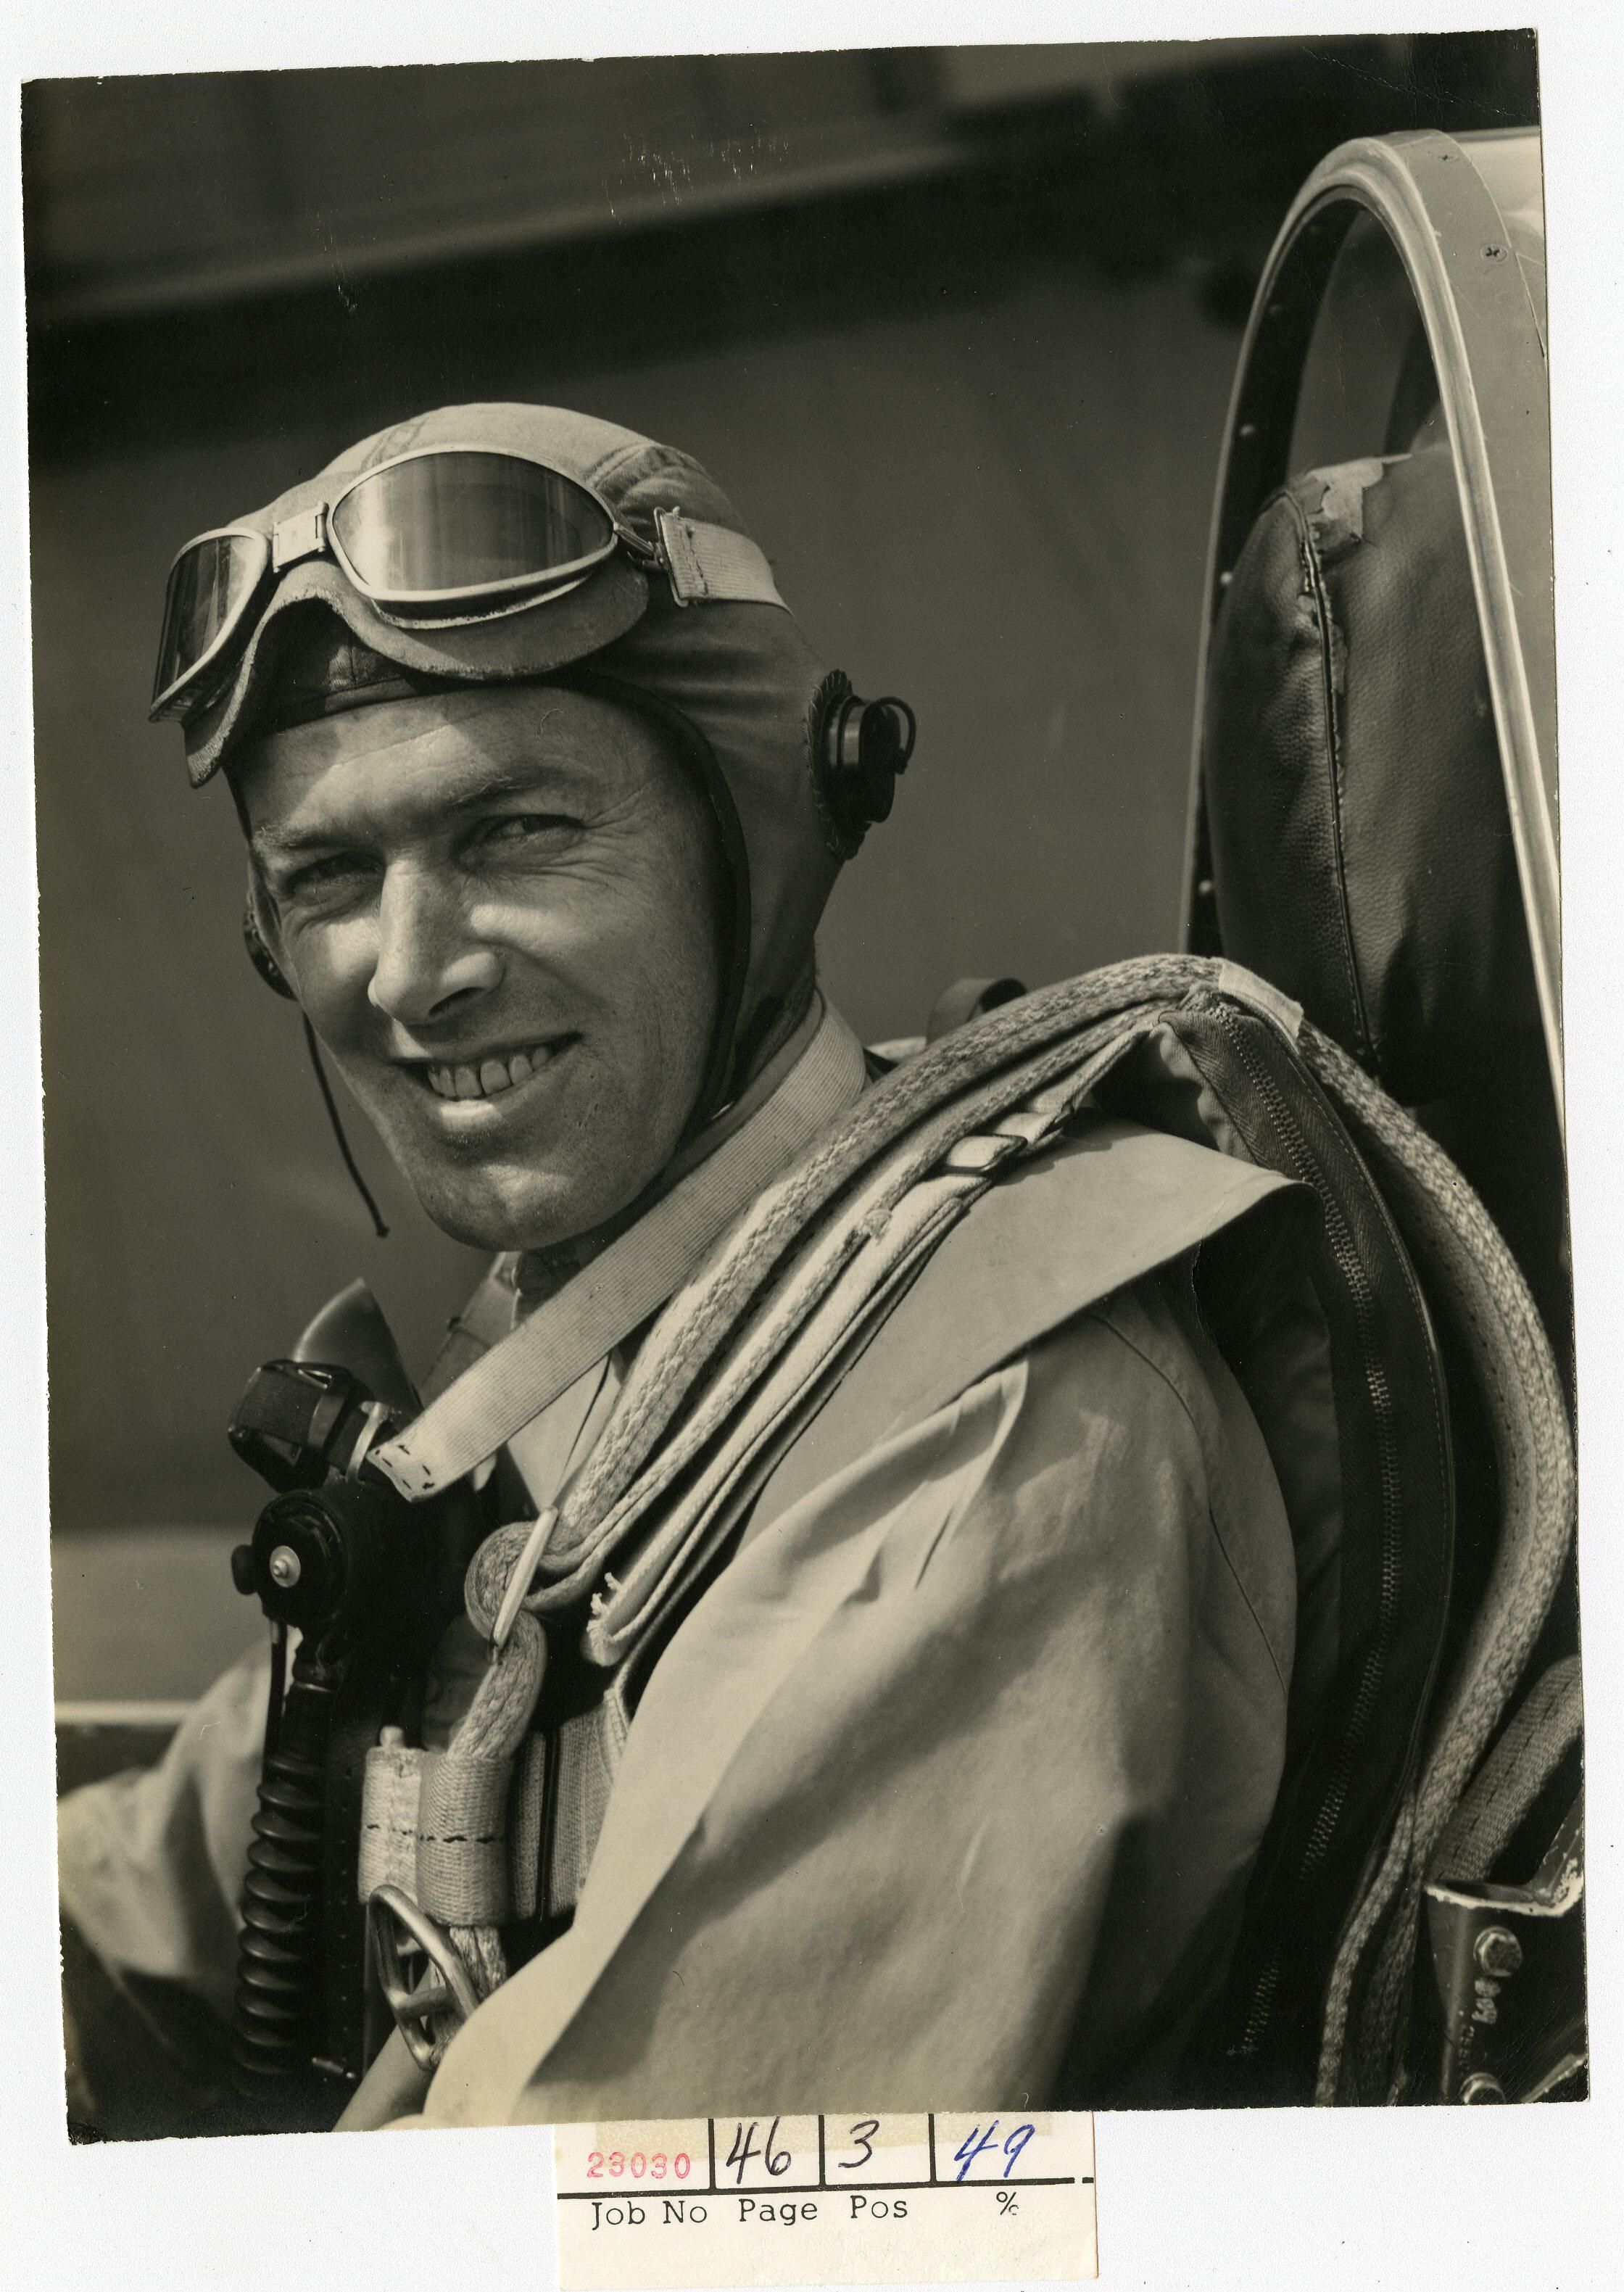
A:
x: 266, y: 965
x: 331, y: 1104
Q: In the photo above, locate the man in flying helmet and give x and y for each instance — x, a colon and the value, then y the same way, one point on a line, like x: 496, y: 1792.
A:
x: 863, y: 1674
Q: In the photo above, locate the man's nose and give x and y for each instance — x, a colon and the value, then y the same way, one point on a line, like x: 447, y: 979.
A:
x: 427, y: 959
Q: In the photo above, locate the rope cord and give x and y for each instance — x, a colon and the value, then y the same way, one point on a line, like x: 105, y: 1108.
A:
x: 1536, y: 1741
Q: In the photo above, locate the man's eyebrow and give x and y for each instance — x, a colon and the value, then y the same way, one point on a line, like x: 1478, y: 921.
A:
x: 540, y: 780
x: 274, y: 843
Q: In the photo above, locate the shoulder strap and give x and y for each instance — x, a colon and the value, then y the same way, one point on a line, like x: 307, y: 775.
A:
x: 1060, y: 1232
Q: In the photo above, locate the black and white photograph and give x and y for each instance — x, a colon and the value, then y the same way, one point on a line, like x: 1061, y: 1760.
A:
x: 811, y: 1322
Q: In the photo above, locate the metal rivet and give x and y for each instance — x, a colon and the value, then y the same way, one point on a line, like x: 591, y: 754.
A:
x: 1247, y: 430
x: 1499, y: 1952
x: 283, y: 1567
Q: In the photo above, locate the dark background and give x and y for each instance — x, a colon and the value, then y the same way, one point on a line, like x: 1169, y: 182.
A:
x: 955, y: 329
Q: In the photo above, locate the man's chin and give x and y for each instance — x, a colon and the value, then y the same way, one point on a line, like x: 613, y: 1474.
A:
x: 491, y: 1214
x: 489, y: 1192
x: 496, y: 1183
x: 511, y: 1204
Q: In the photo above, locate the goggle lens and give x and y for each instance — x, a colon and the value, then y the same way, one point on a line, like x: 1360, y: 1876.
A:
x: 209, y: 585
x: 441, y: 524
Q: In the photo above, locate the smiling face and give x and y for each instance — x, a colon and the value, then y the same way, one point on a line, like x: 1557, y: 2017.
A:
x: 499, y: 910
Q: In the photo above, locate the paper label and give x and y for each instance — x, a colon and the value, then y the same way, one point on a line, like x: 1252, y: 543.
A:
x: 1002, y: 2197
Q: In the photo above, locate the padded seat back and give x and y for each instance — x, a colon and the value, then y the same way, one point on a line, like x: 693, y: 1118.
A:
x: 1360, y: 847
x: 1362, y: 851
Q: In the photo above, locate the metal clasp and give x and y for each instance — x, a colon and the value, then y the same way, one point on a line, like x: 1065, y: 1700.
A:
x: 420, y: 1973
x: 678, y: 557
x: 302, y: 535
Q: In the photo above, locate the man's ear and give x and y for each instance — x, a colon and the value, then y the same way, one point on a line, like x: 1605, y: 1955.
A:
x: 259, y: 936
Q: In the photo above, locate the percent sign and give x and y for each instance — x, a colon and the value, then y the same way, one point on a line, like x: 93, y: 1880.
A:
x: 1006, y: 2201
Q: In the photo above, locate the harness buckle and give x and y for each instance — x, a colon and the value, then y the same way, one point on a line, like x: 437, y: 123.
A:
x: 420, y: 1973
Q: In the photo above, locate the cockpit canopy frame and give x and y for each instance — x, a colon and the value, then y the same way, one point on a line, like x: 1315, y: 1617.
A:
x: 1403, y: 303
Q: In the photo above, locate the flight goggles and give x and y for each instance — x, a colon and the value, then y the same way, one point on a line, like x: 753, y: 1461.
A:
x: 437, y: 538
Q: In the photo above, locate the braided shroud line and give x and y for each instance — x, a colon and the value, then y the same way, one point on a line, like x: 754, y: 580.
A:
x: 803, y: 1323
x: 1467, y: 1268
x: 1531, y: 1748
x: 959, y: 1086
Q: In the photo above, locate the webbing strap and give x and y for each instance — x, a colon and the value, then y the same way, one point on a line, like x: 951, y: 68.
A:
x: 713, y: 563
x: 631, y: 1279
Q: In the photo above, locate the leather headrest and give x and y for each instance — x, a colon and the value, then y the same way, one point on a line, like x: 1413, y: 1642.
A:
x: 1361, y: 851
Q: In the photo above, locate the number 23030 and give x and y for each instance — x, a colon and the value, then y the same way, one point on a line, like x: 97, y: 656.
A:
x: 617, y: 2165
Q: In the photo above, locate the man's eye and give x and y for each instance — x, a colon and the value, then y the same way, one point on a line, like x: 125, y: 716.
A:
x: 334, y: 873
x: 517, y: 830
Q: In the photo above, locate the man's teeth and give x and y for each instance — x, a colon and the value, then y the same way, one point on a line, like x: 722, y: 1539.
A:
x: 490, y: 1075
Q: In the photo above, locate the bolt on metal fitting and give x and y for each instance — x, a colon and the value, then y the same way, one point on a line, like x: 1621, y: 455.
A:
x: 1499, y: 1952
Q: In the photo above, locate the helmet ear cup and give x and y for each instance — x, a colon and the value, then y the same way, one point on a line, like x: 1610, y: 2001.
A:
x: 261, y: 957
x: 859, y: 750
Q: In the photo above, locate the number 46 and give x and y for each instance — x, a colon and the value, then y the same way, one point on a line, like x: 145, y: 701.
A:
x: 777, y: 2161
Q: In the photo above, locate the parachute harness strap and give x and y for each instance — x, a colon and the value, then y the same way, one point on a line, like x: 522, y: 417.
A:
x: 480, y: 1761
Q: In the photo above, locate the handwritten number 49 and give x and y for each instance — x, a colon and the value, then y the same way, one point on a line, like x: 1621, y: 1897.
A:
x: 777, y: 2161
x: 976, y: 2142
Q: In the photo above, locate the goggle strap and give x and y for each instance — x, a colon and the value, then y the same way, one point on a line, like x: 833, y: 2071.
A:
x: 302, y: 535
x: 710, y: 562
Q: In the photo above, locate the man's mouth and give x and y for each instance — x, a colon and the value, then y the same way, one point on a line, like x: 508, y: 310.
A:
x: 494, y: 1071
